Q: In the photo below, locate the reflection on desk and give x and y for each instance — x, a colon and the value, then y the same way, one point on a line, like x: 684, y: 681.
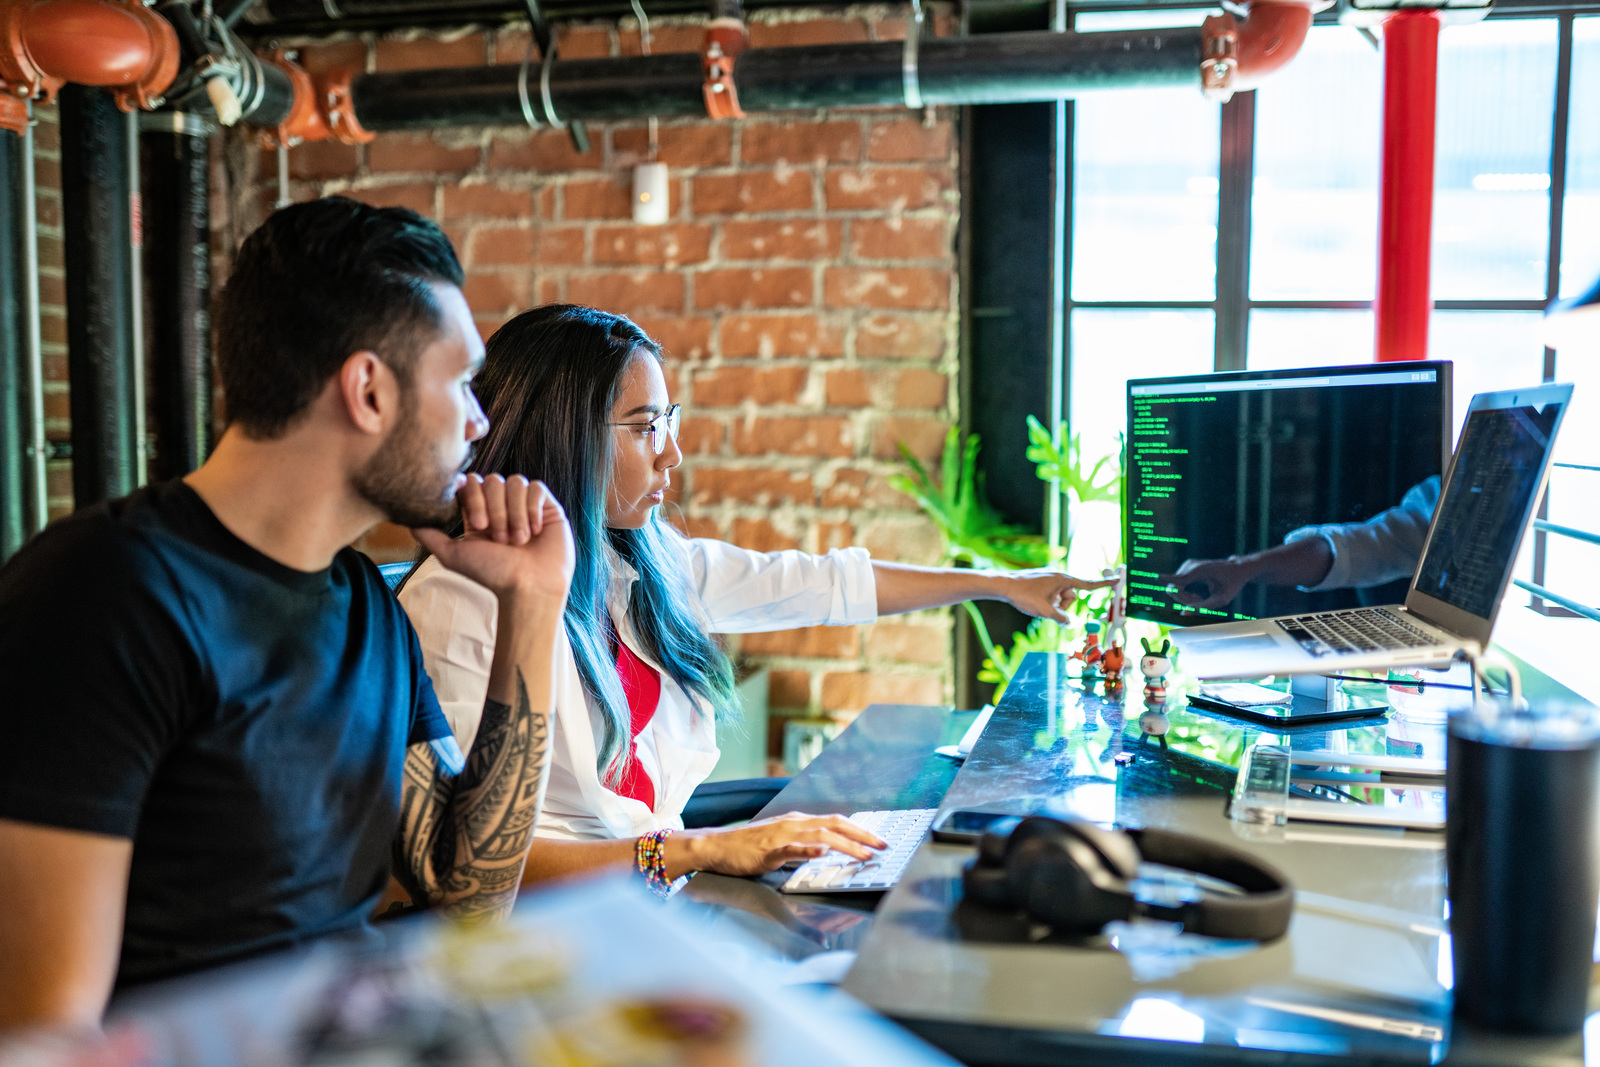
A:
x: 1362, y: 975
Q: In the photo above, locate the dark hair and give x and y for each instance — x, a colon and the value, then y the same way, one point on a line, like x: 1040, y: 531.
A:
x: 549, y: 380
x: 316, y: 283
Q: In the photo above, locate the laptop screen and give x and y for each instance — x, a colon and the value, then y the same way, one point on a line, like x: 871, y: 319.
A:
x: 1483, y: 511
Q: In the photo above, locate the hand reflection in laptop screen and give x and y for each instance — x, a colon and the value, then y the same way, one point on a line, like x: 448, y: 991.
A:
x: 1480, y: 523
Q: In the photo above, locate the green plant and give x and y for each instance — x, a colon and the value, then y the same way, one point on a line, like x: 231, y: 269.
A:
x: 975, y: 536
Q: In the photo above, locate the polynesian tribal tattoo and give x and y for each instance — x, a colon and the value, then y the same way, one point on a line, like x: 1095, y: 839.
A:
x: 465, y: 825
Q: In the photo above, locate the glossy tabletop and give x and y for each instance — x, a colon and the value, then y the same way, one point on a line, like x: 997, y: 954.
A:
x: 1363, y: 973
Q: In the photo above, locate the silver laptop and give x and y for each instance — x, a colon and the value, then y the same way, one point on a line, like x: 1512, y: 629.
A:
x: 1490, y: 493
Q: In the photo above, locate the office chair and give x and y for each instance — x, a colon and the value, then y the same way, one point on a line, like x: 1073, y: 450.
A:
x: 713, y: 803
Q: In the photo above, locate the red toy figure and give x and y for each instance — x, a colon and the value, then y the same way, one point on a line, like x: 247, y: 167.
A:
x: 1111, y: 665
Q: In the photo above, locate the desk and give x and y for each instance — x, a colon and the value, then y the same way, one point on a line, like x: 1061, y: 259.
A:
x: 1367, y: 944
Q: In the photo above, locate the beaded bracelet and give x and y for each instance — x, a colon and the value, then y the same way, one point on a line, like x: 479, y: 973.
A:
x: 650, y: 854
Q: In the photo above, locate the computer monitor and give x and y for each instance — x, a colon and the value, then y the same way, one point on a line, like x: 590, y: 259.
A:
x: 1230, y: 464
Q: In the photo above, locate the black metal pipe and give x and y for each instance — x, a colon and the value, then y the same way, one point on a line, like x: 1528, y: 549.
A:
x: 989, y: 69
x: 14, y: 407
x: 97, y: 226
x: 177, y: 265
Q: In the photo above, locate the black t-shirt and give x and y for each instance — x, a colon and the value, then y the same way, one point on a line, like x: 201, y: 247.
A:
x: 243, y: 723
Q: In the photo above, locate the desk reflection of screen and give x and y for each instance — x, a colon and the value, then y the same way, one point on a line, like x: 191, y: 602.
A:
x: 1228, y: 464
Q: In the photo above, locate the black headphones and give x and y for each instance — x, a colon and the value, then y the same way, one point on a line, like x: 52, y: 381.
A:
x: 1074, y: 877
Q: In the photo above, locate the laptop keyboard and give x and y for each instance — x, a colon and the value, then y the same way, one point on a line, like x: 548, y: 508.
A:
x: 1356, y: 630
x: 838, y: 873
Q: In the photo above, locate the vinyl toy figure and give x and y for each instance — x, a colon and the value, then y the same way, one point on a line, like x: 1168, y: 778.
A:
x: 1091, y: 652
x: 1111, y: 665
x: 1155, y: 666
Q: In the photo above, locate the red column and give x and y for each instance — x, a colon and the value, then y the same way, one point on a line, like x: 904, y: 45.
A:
x: 1405, y: 191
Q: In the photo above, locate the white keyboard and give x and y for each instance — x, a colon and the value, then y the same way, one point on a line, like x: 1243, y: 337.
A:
x: 838, y: 873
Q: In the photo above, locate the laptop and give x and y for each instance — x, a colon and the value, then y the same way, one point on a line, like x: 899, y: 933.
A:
x: 1493, y: 485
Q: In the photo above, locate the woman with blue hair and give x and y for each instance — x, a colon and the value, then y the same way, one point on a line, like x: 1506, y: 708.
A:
x: 576, y: 397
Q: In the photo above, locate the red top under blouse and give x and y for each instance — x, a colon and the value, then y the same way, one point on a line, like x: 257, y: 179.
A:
x: 641, y: 683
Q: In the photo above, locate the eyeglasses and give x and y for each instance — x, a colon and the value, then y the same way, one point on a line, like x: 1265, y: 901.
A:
x: 661, y: 427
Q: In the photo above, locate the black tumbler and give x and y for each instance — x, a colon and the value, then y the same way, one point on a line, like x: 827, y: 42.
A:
x: 1520, y: 838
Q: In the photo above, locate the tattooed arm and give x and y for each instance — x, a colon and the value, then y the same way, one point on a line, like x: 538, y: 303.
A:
x: 466, y: 823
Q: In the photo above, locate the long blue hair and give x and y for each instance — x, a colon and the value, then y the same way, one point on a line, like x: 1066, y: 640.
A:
x: 549, y: 381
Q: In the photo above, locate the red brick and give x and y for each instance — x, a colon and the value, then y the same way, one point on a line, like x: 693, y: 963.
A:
x: 901, y: 337
x: 908, y: 140
x: 813, y: 642
x: 908, y: 643
x: 697, y: 527
x: 792, y: 31
x: 831, y: 535
x: 605, y: 199
x: 418, y: 153
x: 546, y: 290
x: 886, y: 287
x: 47, y: 173
x: 749, y: 485
x: 47, y: 210
x: 46, y: 131
x: 52, y: 291
x: 664, y: 39
x: 776, y: 287
x: 920, y: 388
x: 884, y: 188
x: 800, y: 142
x: 341, y: 55
x: 759, y: 535
x: 889, y: 29
x: 680, y: 338
x: 57, y: 406
x: 731, y: 385
x: 700, y: 436
x: 509, y: 246
x: 789, y: 689
x: 848, y: 388
x: 546, y: 151
x: 583, y: 42
x: 854, y: 690
x: 53, y: 326
x: 780, y: 335
x: 557, y: 246
x: 427, y: 53
x: 654, y: 246
x: 794, y: 435
x: 900, y: 238
x: 908, y: 540
x: 793, y: 239
x: 752, y: 192
x: 701, y: 145
x: 497, y: 293
x: 481, y: 200
x: 317, y: 160
x: 624, y: 292
x: 922, y: 435
x: 418, y: 196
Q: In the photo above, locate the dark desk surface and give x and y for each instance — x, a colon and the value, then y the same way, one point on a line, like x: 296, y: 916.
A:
x: 1362, y: 974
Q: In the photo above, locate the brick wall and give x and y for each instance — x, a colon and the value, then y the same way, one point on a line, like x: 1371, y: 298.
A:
x: 805, y: 290
x: 52, y: 301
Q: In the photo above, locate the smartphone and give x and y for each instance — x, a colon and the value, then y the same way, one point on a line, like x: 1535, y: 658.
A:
x: 965, y: 827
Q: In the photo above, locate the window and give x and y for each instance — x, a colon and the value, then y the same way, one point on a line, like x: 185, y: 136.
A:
x: 1245, y: 235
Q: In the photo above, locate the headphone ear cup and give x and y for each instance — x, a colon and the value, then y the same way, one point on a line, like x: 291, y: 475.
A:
x: 1061, y: 889
x: 993, y: 842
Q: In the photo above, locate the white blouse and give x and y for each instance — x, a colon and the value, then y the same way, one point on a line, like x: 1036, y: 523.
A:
x: 737, y: 591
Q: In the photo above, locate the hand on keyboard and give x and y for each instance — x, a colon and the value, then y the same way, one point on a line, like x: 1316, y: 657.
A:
x: 767, y: 845
x: 836, y: 872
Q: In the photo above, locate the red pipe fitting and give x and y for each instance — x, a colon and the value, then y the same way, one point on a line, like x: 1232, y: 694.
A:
x: 119, y: 44
x: 1236, y: 56
x: 725, y: 39
x: 306, y: 121
x: 1404, y: 301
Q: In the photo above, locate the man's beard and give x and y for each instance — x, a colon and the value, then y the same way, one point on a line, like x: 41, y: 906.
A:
x: 404, y: 480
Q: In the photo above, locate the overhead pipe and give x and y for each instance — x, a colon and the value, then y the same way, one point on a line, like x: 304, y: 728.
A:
x: 98, y: 229
x: 1225, y: 55
x: 116, y: 44
x: 177, y: 212
x: 1404, y: 301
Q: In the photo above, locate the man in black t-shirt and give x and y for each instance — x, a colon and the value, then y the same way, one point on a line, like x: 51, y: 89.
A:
x: 216, y: 734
